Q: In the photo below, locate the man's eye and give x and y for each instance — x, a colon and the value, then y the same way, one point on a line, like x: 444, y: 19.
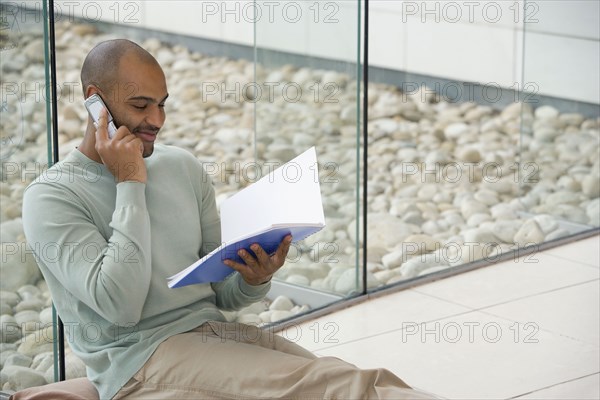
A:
x: 140, y: 107
x: 162, y: 105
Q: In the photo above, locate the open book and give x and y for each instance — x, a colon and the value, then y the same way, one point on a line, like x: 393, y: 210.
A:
x: 286, y: 201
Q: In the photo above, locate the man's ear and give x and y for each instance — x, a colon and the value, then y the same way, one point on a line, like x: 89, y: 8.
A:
x: 90, y: 90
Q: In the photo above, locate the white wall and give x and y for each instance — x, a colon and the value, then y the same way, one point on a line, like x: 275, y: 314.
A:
x: 562, y: 49
x: 473, y: 41
x: 485, y: 44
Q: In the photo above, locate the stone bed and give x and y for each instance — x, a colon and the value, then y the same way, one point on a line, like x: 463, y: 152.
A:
x: 448, y: 183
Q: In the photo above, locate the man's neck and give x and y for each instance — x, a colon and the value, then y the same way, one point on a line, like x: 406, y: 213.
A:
x: 88, y: 144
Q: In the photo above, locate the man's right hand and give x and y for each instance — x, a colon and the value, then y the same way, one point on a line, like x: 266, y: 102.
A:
x: 123, y: 154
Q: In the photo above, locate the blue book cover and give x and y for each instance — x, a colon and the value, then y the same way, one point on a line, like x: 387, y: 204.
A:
x: 211, y: 268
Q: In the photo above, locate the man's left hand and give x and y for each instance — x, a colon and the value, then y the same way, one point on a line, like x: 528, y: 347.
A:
x: 260, y: 269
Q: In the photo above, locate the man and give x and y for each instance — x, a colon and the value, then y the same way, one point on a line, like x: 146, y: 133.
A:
x: 126, y: 214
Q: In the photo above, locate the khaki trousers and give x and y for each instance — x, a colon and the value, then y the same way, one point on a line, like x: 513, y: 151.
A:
x: 236, y: 361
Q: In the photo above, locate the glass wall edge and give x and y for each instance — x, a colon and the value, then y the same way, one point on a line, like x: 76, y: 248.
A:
x: 52, y: 155
x: 45, y: 22
x: 360, y: 116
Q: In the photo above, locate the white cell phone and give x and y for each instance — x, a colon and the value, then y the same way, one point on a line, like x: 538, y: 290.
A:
x: 94, y: 105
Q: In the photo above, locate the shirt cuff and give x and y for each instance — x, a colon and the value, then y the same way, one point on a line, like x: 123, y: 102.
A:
x: 252, y: 290
x: 130, y: 193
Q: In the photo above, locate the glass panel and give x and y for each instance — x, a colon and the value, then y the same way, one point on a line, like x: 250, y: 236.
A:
x: 26, y: 318
x: 480, y: 147
x: 560, y: 131
x: 197, y: 70
x: 308, y: 94
x: 442, y: 145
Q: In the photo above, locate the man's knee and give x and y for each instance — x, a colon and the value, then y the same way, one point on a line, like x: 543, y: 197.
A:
x: 72, y: 389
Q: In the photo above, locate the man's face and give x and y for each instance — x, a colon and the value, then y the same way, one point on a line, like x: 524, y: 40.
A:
x: 137, y: 101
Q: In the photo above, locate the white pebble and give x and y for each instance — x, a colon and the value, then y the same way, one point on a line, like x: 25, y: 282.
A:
x: 530, y: 233
x: 281, y: 303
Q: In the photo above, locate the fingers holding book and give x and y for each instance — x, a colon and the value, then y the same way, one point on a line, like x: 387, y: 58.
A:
x: 259, y: 269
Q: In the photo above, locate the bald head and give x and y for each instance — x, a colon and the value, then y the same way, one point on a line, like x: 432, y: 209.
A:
x: 101, y: 66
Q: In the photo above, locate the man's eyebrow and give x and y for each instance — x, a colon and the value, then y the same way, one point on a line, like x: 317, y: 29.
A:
x: 148, y: 99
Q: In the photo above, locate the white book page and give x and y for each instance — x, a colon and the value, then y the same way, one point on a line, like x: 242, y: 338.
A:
x: 289, y: 195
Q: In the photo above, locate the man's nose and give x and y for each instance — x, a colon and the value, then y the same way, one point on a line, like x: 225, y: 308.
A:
x: 155, y: 116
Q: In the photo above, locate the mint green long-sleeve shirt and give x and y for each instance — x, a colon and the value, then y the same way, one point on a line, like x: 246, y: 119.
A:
x: 107, y: 249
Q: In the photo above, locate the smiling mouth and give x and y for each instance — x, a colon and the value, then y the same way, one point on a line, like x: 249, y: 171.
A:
x: 147, y: 136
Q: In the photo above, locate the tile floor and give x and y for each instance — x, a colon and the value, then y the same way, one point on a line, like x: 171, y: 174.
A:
x: 521, y: 329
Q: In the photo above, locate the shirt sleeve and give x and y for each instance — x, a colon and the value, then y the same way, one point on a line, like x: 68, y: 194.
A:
x: 112, y: 276
x: 234, y: 293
